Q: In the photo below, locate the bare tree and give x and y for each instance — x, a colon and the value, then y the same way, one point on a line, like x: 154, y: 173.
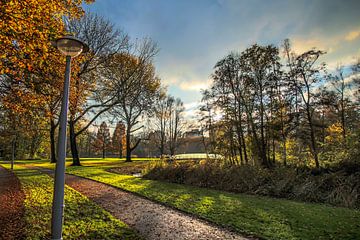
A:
x: 118, y: 138
x: 305, y: 76
x: 130, y: 79
x: 229, y: 90
x: 160, y: 120
x: 340, y: 86
x: 206, y: 119
x: 102, y: 141
x: 176, y: 109
x: 87, y: 98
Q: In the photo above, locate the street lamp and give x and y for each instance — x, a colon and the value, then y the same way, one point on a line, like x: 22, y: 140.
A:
x: 70, y: 47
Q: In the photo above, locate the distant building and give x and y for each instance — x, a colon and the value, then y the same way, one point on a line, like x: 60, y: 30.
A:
x: 191, y: 142
x: 193, y: 133
x: 154, y: 136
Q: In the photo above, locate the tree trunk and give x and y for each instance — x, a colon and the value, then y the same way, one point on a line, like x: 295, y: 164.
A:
x: 313, y: 140
x: 284, y: 151
x: 128, y: 145
x: 244, y: 148
x: 13, y: 153
x: 232, y: 148
x: 238, y: 134
x: 172, y: 151
x: 162, y: 145
x: 33, y: 147
x: 263, y: 147
x: 343, y: 117
x: 73, y: 145
x: 273, y: 151
x: 204, y: 144
x: 251, y: 124
x: 121, y: 150
x: 103, y: 151
x: 52, y: 141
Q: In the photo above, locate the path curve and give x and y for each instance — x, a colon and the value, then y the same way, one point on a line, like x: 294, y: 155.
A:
x: 12, y: 221
x: 152, y: 220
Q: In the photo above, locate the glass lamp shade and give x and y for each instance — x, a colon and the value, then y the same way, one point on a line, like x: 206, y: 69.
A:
x: 70, y: 46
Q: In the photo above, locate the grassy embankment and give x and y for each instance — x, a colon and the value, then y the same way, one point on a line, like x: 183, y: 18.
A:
x: 263, y: 217
x: 83, y: 218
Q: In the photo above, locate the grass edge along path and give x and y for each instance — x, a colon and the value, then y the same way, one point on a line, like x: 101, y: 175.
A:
x: 264, y: 217
x: 83, y: 218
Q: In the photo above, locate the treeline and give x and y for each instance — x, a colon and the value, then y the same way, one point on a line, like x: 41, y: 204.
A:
x: 115, y: 79
x: 286, y: 124
x: 280, y: 107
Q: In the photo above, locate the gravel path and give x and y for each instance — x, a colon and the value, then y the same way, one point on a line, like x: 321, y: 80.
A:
x: 11, y: 206
x: 151, y: 220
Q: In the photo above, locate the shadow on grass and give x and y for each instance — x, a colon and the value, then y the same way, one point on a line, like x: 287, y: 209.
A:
x: 83, y: 218
x: 260, y: 216
x: 263, y: 217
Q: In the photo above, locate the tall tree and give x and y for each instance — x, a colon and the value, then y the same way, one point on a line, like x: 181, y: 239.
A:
x: 161, y: 109
x: 305, y: 76
x: 339, y: 87
x: 130, y: 79
x: 163, y: 116
x: 265, y: 104
x: 87, y: 98
x: 206, y: 119
x: 356, y: 72
x: 260, y: 64
x: 119, y: 139
x: 176, y: 121
x: 102, y: 141
x: 28, y: 62
x: 229, y: 90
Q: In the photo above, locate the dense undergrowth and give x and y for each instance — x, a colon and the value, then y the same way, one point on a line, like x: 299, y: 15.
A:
x: 339, y: 186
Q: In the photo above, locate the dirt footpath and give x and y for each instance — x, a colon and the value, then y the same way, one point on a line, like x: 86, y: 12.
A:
x: 12, y: 198
x: 151, y: 220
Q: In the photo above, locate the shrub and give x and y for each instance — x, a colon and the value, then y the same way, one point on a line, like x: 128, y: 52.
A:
x: 339, y: 186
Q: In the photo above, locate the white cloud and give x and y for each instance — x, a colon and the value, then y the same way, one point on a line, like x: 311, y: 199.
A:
x: 191, y: 109
x: 352, y: 35
x: 351, y: 78
x: 301, y: 45
x: 185, y: 76
x: 194, y: 85
x: 341, y: 49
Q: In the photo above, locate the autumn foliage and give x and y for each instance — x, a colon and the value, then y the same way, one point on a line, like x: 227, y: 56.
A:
x: 28, y: 62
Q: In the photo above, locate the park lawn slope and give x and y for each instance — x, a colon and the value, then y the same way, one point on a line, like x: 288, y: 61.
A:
x: 263, y: 217
x: 83, y: 218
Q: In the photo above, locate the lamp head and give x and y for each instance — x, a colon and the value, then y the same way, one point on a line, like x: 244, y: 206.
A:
x: 71, y: 46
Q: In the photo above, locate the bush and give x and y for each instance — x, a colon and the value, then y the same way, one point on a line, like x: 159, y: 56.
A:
x: 339, y: 186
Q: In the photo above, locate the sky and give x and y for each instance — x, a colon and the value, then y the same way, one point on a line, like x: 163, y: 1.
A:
x: 194, y: 34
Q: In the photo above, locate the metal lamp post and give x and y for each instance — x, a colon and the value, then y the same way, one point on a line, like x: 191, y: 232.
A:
x: 70, y: 47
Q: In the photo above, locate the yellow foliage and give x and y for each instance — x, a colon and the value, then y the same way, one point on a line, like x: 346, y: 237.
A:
x: 334, y: 132
x: 27, y: 59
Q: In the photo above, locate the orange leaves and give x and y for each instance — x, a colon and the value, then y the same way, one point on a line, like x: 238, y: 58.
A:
x: 33, y: 69
x: 28, y: 26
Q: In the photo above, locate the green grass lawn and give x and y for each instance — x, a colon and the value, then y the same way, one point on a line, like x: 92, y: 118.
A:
x: 263, y: 217
x: 85, y: 161
x: 83, y: 218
